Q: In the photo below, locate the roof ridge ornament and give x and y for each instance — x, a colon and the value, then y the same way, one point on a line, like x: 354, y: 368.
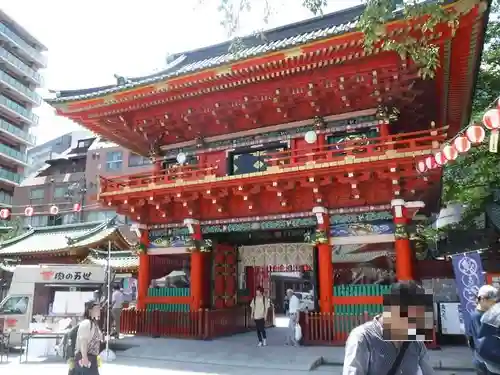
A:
x: 121, y: 80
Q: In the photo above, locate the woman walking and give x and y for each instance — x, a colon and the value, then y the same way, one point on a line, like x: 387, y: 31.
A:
x: 260, y: 306
x: 88, y: 341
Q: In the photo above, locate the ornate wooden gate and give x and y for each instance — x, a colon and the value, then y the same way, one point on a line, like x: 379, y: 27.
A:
x: 225, y: 276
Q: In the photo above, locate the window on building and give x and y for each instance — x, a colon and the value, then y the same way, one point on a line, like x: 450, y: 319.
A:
x: 36, y: 221
x: 55, y: 220
x: 84, y: 143
x: 60, y: 192
x: 114, y: 160
x: 135, y: 160
x: 37, y: 193
x: 100, y: 215
x: 14, y: 305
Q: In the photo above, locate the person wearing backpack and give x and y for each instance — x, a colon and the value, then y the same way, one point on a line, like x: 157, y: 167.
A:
x: 485, y: 342
x: 259, y: 309
x: 88, y: 341
x: 387, y: 344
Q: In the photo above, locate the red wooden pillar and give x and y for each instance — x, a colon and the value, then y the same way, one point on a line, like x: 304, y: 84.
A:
x: 404, y: 258
x: 325, y: 264
x: 197, y: 266
x: 143, y: 277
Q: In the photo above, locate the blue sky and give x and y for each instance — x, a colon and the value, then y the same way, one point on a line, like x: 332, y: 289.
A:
x: 91, y: 40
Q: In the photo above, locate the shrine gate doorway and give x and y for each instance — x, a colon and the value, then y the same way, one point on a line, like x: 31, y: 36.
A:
x: 277, y: 267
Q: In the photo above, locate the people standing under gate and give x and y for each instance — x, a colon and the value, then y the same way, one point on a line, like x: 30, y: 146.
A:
x: 259, y: 309
x: 117, y: 300
x: 293, y: 315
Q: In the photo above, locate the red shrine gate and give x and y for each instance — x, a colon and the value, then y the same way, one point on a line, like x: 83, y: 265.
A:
x: 346, y: 125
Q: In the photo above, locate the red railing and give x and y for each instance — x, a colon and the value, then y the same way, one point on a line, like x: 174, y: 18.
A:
x: 360, y: 148
x: 202, y: 324
x: 329, y: 328
x: 414, y: 141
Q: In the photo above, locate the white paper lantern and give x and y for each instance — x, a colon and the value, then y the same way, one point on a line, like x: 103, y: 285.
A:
x: 28, y: 211
x: 430, y: 162
x: 440, y: 159
x: 421, y: 167
x: 462, y: 144
x: 475, y: 134
x: 54, y: 210
x: 450, y: 153
x: 491, y: 119
x: 311, y: 137
x: 181, y: 158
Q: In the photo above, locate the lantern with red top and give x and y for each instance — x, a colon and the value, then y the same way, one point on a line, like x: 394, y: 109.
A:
x: 491, y: 121
x: 430, y: 162
x: 77, y: 207
x: 4, y: 213
x: 450, y: 153
x: 440, y: 159
x: 462, y: 144
x: 28, y: 211
x: 421, y: 166
x: 475, y: 134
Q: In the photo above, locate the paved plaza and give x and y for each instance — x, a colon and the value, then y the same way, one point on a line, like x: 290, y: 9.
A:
x: 234, y: 355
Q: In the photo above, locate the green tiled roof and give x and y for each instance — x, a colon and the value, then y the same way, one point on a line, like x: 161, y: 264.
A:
x: 119, y: 259
x: 58, y: 238
x: 278, y: 39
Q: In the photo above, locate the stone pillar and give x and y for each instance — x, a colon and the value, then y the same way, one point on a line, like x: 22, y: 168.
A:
x: 325, y: 265
x: 197, y: 266
x: 404, y: 258
x: 143, y: 278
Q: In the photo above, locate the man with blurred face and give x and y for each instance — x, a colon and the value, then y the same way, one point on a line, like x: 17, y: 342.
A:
x: 392, y: 343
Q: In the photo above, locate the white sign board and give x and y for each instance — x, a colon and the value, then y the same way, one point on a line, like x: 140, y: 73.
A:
x: 451, y: 321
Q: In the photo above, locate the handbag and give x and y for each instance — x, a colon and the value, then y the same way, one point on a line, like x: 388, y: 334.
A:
x: 399, y: 358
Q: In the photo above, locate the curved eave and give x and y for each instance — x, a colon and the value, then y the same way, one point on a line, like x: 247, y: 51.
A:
x: 222, y: 66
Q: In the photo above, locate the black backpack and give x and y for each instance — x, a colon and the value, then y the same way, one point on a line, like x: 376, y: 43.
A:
x: 70, y: 342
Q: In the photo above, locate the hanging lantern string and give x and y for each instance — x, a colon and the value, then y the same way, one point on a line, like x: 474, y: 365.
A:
x: 38, y: 213
x: 450, y: 150
x: 462, y: 131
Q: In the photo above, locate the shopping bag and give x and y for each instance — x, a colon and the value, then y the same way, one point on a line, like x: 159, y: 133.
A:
x: 107, y: 355
x: 298, y: 332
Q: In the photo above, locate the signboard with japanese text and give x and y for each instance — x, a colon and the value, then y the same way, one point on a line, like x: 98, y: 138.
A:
x: 60, y: 274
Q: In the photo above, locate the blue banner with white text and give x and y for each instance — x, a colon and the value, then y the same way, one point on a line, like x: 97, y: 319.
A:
x: 469, y: 277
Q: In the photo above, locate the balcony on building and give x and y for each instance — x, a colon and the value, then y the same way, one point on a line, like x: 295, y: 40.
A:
x: 16, y: 134
x: 19, y: 67
x: 12, y: 156
x: 15, y: 111
x: 18, y: 89
x: 20, y: 44
x: 8, y: 176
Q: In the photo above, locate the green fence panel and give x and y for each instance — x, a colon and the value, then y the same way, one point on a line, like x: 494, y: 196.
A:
x: 168, y: 292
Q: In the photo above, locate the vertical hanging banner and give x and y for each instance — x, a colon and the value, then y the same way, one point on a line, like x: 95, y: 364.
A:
x: 469, y: 277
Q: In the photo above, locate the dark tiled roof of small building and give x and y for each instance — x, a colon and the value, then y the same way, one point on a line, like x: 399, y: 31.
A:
x: 287, y: 36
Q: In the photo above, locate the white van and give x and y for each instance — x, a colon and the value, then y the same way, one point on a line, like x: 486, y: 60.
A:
x: 32, y: 292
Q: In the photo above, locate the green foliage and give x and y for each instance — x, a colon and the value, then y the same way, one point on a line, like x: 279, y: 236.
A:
x: 419, y: 47
x: 472, y: 178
